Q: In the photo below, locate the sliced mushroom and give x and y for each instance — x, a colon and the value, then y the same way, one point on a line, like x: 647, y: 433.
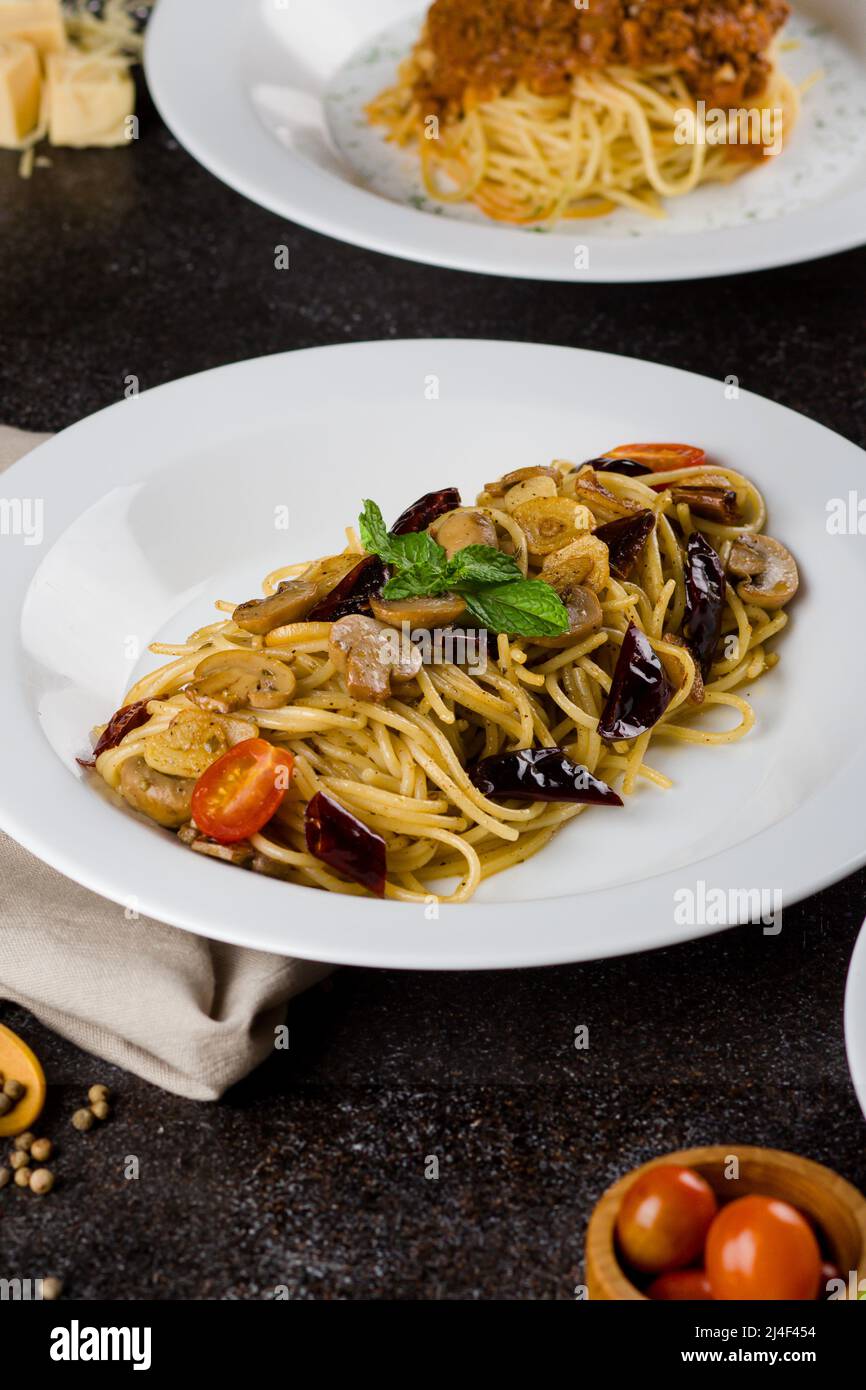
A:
x: 240, y: 853
x: 165, y: 799
x: 424, y: 611
x: 604, y: 504
x: 518, y: 475
x: 289, y: 604
x: 713, y: 503
x: 240, y: 679
x: 193, y: 740
x: 549, y: 523
x: 370, y: 654
x: 456, y: 530
x: 769, y: 571
x: 584, y: 561
x: 584, y: 617
x: 328, y: 571
x: 273, y: 868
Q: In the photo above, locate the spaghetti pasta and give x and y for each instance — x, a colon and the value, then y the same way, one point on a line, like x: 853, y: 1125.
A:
x: 401, y: 761
x: 489, y: 130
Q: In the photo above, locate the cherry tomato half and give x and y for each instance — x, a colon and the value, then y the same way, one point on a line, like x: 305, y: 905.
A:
x: 760, y: 1248
x: 240, y: 792
x: 660, y: 457
x: 664, y: 1218
x: 681, y: 1285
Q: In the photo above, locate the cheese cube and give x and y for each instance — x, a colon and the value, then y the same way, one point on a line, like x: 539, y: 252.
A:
x: 20, y: 87
x: 40, y: 22
x: 89, y: 99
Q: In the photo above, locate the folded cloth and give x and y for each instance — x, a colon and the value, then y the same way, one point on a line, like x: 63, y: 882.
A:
x: 191, y: 1015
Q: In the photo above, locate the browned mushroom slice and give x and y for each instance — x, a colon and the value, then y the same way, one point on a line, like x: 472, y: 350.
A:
x: 194, y: 739
x: 165, y: 799
x: 239, y: 679
x: 458, y: 529
x: 272, y: 868
x: 696, y: 694
x: 713, y: 503
x: 370, y: 654
x: 241, y: 853
x: 519, y: 475
x: 770, y: 578
x: 601, y: 501
x: 423, y: 611
x: 292, y: 601
x: 584, y: 617
x: 584, y: 561
x: 548, y: 523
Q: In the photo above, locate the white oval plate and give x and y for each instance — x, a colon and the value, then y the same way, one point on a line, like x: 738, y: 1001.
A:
x: 269, y: 96
x: 160, y: 505
x: 855, y: 1018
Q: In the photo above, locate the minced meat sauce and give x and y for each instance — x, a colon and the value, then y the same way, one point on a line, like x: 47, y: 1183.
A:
x: 487, y: 45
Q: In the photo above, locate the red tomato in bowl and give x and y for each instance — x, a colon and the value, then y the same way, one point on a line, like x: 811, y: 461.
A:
x: 240, y: 792
x: 664, y: 1219
x: 660, y: 457
x: 681, y: 1286
x: 761, y: 1248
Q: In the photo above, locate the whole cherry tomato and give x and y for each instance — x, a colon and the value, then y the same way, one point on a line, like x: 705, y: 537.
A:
x: 664, y: 1218
x: 660, y: 457
x: 240, y: 792
x: 681, y: 1285
x: 761, y: 1248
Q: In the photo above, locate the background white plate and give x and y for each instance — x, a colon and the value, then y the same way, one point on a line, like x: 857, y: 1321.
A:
x: 163, y: 503
x: 855, y: 1018
x: 269, y: 94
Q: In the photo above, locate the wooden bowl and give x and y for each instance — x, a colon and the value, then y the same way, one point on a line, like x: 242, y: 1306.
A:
x: 837, y: 1209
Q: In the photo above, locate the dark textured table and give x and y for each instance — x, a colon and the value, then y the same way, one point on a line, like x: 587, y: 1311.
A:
x: 311, y: 1174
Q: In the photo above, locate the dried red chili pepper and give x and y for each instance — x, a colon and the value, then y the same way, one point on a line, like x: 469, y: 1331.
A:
x: 625, y: 538
x: 629, y: 468
x: 540, y: 774
x: 426, y: 510
x: 353, y: 593
x: 705, y: 600
x: 640, y: 691
x: 344, y: 843
x: 126, y: 718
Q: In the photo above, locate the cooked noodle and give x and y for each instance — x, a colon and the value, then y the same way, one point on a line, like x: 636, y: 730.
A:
x: 400, y: 766
x: 616, y: 138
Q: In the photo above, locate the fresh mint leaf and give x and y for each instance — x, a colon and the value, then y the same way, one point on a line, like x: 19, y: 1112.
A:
x: 526, y: 608
x: 417, y: 549
x: 415, y: 582
x: 482, y: 564
x: 374, y: 532
x: 404, y: 552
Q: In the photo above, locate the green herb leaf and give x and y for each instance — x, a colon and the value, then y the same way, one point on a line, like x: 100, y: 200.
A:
x: 415, y: 582
x: 526, y: 608
x: 496, y: 593
x: 405, y: 552
x: 417, y: 549
x: 482, y: 564
x: 374, y: 532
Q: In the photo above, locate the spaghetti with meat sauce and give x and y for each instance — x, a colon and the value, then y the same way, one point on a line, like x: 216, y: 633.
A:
x: 536, y: 109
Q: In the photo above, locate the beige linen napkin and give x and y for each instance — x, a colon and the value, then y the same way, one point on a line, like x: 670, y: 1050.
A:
x: 188, y: 1014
